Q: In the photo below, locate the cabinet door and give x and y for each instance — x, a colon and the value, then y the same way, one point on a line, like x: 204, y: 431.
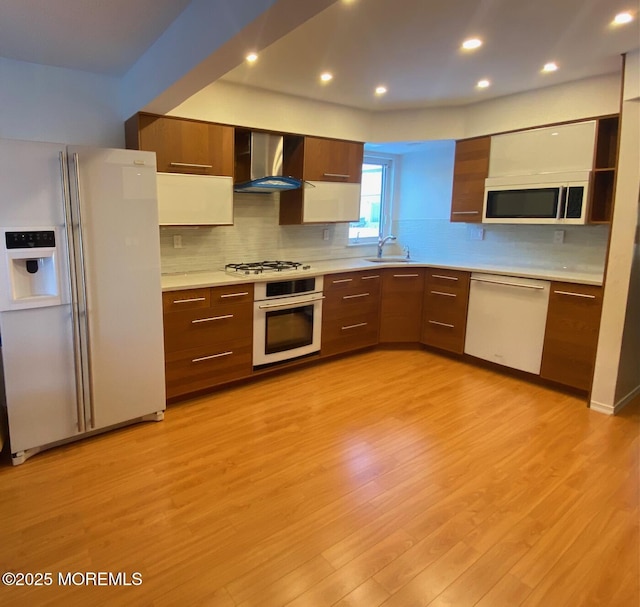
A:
x: 571, y: 335
x: 446, y: 296
x: 330, y: 202
x: 401, y: 305
x: 470, y: 169
x: 332, y: 160
x: 187, y: 146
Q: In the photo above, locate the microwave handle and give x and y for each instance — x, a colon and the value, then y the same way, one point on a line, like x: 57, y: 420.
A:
x: 562, y: 203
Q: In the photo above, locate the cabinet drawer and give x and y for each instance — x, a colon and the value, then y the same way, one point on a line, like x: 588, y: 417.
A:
x: 349, y: 333
x: 207, y: 366
x: 232, y: 294
x: 401, y: 280
x: 352, y: 281
x: 448, y: 281
x: 444, y: 333
x: 193, y: 328
x: 187, y: 299
x: 350, y: 302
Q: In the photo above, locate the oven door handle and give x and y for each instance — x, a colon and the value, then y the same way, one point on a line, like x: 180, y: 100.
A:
x: 290, y: 304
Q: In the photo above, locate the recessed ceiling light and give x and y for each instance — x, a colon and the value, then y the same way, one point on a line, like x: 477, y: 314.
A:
x: 552, y: 66
x: 251, y: 57
x: 471, y: 44
x: 326, y: 77
x: 483, y: 84
x: 381, y: 90
x: 622, y: 18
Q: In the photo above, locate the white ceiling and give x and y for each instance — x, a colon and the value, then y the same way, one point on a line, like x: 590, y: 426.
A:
x: 411, y: 46
x: 100, y: 36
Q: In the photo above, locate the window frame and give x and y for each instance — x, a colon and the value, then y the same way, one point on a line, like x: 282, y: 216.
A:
x: 386, y: 203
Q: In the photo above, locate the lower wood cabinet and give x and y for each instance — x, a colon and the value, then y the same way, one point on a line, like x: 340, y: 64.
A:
x: 350, y: 311
x: 401, y: 304
x: 208, y: 337
x: 444, y: 317
x: 571, y: 334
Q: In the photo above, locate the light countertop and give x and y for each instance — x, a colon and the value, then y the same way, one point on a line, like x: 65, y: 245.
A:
x: 214, y: 278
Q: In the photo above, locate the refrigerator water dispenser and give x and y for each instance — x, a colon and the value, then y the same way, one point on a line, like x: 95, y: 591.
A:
x: 30, y: 277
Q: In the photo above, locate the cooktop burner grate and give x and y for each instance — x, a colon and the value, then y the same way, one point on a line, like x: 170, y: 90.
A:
x: 259, y: 267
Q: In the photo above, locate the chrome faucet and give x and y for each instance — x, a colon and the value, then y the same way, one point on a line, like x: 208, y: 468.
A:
x: 382, y: 242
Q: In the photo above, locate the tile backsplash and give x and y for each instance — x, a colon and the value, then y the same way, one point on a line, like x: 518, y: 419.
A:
x: 255, y: 236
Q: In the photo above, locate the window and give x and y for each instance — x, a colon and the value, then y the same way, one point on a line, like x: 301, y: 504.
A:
x: 374, y: 200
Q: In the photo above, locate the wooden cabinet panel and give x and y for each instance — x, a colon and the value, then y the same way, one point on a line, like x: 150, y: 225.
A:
x: 446, y: 297
x: 320, y: 160
x: 350, y: 312
x: 332, y: 160
x: 207, y: 366
x: 571, y: 334
x: 401, y: 305
x: 208, y: 337
x: 187, y: 299
x: 182, y: 145
x: 471, y: 168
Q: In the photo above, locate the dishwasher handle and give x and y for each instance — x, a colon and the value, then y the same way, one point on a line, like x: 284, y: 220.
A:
x: 509, y: 284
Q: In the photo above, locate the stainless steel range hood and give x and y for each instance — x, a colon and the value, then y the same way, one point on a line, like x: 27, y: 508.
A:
x: 259, y: 159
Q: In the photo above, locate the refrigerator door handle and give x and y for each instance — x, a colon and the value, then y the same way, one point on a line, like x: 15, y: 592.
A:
x: 85, y: 338
x: 75, y: 316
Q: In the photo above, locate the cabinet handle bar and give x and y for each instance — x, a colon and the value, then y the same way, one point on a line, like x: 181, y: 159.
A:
x: 234, y: 294
x: 354, y: 296
x: 197, y: 320
x: 585, y: 295
x: 178, y: 301
x: 198, y: 360
x: 442, y: 324
x: 445, y: 277
x: 360, y: 324
x: 192, y: 165
x: 445, y: 294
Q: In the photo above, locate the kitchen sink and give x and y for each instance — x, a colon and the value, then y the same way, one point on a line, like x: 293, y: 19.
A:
x: 389, y: 259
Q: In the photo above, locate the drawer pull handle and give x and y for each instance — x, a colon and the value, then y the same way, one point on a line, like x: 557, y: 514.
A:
x: 465, y: 212
x: 341, y: 175
x: 335, y: 282
x: 199, y: 360
x: 360, y: 324
x: 354, y: 296
x: 406, y: 275
x: 444, y: 277
x: 178, y: 301
x: 370, y: 277
x: 445, y: 294
x: 234, y: 294
x: 197, y: 320
x: 442, y: 324
x: 585, y: 295
x: 191, y: 165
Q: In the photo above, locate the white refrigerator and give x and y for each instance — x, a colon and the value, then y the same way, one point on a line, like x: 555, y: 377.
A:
x: 80, y: 296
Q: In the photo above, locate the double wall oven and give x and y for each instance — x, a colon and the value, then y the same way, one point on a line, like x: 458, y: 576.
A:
x: 287, y: 313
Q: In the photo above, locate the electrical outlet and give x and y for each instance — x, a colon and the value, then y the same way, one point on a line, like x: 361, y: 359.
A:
x: 476, y: 233
x: 558, y: 236
x: 325, y: 234
x: 177, y: 241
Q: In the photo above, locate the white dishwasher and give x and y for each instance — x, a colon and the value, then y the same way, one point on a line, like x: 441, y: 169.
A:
x: 506, y: 320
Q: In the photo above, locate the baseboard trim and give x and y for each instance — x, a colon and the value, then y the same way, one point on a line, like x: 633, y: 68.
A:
x: 617, y: 407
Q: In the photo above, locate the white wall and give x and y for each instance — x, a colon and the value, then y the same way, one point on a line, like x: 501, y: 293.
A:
x: 41, y: 103
x: 616, y: 378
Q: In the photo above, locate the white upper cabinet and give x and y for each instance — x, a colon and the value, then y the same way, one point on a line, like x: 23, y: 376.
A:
x: 194, y: 199
x: 556, y: 149
x: 326, y: 202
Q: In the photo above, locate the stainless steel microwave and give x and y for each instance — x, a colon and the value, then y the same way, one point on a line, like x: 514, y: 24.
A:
x: 545, y: 198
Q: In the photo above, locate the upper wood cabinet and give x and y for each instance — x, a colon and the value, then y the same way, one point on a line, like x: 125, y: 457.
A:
x: 332, y: 172
x: 471, y: 168
x: 182, y: 145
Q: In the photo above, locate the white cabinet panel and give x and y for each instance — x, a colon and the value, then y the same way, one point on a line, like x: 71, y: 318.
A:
x: 194, y: 199
x: 326, y: 202
x: 568, y: 147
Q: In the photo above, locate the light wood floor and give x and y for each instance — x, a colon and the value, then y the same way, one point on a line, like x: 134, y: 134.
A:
x: 387, y: 478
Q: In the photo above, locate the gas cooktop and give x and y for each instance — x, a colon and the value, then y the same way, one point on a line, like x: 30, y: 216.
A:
x: 260, y: 267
